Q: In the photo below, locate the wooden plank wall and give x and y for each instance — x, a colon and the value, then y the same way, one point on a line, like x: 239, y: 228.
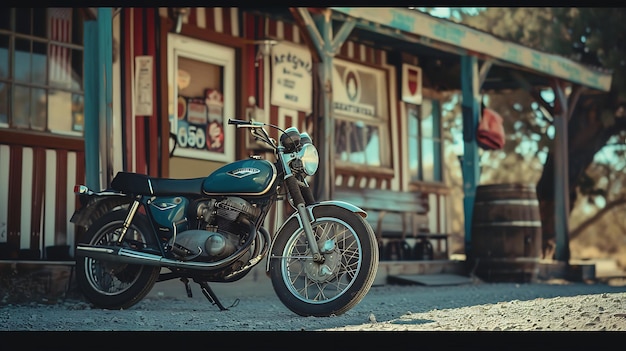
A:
x: 37, y: 198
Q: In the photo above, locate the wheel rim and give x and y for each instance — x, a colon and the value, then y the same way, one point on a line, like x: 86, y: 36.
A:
x: 111, y: 278
x: 312, y: 282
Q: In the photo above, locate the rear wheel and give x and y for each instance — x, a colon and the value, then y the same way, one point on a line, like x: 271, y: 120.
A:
x: 350, y: 252
x: 114, y: 285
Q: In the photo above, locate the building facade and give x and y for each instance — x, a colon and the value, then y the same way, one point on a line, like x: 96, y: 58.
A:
x: 368, y: 92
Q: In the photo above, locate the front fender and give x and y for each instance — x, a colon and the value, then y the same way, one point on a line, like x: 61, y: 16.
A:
x: 296, y: 217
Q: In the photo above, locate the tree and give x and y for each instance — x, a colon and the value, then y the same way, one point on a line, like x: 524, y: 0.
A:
x: 593, y: 36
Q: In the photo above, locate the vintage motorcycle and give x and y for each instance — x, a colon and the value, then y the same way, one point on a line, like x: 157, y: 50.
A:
x: 141, y: 230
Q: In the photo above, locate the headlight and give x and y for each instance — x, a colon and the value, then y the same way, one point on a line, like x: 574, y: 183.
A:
x: 310, y: 159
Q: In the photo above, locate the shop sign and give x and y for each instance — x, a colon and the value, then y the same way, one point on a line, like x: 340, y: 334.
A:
x: 411, y: 84
x: 292, y: 81
x: 355, y: 89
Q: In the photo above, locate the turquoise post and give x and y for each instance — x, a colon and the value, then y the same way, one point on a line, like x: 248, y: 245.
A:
x: 105, y: 90
x: 92, y: 127
x: 470, y: 162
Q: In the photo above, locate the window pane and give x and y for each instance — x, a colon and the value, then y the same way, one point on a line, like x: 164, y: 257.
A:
x: 437, y: 161
x: 413, y: 141
x: 22, y: 60
x: 77, y: 28
x: 4, y: 103
x: 39, y: 22
x: 38, y: 111
x: 357, y: 142
x: 59, y: 73
x: 431, y: 160
x: 39, y: 62
x: 78, y: 112
x: 22, y: 20
x: 436, y: 112
x: 427, y: 119
x: 77, y: 69
x: 428, y: 160
x: 60, y: 21
x: 201, y: 127
x: 5, y: 19
x: 21, y: 109
x: 4, y: 56
x: 60, y: 111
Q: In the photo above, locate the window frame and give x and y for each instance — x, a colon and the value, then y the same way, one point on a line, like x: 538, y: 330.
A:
x: 381, y: 119
x: 11, y: 83
x: 222, y: 56
x: 418, y: 181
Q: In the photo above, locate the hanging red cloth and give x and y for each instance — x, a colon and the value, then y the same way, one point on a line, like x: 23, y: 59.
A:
x: 490, y: 133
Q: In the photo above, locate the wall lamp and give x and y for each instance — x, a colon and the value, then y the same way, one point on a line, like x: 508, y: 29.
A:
x: 264, y: 49
x: 179, y: 13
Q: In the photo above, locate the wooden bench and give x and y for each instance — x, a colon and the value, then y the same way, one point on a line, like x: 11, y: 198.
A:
x: 396, y: 216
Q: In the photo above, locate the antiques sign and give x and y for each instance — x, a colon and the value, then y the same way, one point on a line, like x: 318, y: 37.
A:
x: 292, y: 81
x: 355, y: 91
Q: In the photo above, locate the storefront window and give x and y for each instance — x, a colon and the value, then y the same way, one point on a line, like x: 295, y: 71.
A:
x: 361, y: 115
x: 424, y: 141
x: 202, y: 98
x: 41, y: 70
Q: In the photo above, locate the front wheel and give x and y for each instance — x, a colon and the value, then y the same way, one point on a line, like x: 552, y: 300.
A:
x: 113, y: 285
x: 334, y: 286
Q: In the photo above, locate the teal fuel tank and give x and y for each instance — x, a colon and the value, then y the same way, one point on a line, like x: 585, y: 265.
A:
x: 244, y: 177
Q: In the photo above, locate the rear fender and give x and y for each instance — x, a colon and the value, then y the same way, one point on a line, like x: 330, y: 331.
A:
x: 310, y: 210
x: 96, y: 205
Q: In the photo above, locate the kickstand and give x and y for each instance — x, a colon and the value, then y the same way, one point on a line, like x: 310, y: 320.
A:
x: 187, y: 287
x: 210, y: 295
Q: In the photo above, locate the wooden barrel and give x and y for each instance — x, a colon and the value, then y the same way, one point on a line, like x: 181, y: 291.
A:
x: 506, y: 233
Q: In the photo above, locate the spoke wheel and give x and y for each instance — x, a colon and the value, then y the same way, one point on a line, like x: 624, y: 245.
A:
x: 113, y: 285
x: 346, y: 274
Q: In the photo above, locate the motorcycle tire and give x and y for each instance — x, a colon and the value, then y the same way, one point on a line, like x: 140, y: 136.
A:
x: 112, y: 285
x: 350, y: 249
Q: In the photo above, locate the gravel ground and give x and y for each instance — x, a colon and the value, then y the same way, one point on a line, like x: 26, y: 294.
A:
x: 478, y: 306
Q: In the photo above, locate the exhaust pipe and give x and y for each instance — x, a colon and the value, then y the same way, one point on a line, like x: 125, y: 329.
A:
x: 123, y: 255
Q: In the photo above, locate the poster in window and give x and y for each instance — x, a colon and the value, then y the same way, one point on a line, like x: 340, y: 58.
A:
x: 215, y: 124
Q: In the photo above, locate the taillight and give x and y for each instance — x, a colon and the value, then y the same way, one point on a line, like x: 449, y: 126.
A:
x: 80, y: 189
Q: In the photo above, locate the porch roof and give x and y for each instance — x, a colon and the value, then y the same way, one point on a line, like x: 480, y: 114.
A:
x: 408, y: 28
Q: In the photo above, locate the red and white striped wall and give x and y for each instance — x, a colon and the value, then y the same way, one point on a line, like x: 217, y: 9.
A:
x: 36, y: 196
x: 363, y: 53
x: 223, y: 20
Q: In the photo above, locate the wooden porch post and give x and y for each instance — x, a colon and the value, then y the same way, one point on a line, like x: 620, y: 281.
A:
x: 561, y: 176
x: 320, y: 32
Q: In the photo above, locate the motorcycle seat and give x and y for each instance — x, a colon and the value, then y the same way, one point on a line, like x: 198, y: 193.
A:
x: 142, y: 184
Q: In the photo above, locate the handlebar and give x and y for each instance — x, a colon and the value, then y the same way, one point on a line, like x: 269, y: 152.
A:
x: 244, y: 123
